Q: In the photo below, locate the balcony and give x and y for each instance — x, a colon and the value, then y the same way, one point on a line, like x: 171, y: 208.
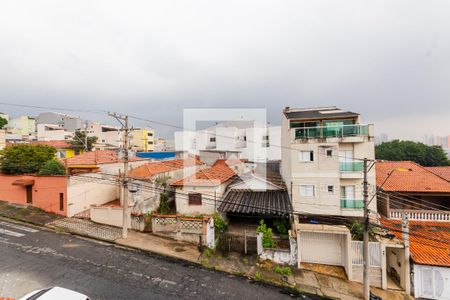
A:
x: 351, y: 166
x: 352, y: 204
x: 420, y: 215
x: 338, y: 131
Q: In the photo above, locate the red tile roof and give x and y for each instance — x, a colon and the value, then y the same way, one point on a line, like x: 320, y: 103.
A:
x: 60, y: 144
x: 219, y: 173
x: 96, y: 158
x: 412, y: 178
x: 443, y: 172
x: 429, y: 241
x: 152, y: 168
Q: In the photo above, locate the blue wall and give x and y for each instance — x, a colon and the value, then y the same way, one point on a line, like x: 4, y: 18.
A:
x: 156, y: 155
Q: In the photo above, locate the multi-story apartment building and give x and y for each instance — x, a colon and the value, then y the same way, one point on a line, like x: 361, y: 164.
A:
x: 321, y: 148
x: 255, y: 141
x: 106, y: 134
x: 142, y: 139
x: 68, y: 122
x: 50, y: 132
x: 24, y: 126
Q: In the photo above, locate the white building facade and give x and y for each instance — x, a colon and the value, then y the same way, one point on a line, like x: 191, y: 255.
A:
x: 321, y: 152
x: 256, y: 142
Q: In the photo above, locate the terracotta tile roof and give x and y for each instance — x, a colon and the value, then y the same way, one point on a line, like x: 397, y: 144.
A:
x: 96, y: 158
x: 219, y: 173
x: 429, y: 241
x: 60, y: 144
x: 443, y: 172
x: 152, y: 168
x: 415, y: 178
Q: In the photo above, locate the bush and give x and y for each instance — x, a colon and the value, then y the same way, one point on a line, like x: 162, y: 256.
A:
x: 25, y: 158
x: 163, y: 205
x: 220, y: 224
x: 286, y: 271
x: 281, y: 225
x: 267, y: 240
x: 52, y: 167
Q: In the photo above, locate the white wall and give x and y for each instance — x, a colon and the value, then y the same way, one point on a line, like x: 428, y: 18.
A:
x: 109, y: 215
x: 208, y: 194
x: 44, y: 134
x: 82, y: 193
x: 431, y: 282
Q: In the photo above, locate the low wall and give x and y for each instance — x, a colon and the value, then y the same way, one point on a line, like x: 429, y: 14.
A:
x: 374, y: 275
x: 108, y: 215
x: 185, y: 229
x: 280, y: 256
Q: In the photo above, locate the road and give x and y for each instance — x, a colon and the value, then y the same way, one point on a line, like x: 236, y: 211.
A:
x: 33, y: 258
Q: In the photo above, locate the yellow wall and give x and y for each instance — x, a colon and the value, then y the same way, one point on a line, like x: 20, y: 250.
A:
x: 144, y: 139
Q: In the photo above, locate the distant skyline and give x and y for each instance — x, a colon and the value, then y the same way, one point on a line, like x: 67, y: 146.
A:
x: 388, y: 61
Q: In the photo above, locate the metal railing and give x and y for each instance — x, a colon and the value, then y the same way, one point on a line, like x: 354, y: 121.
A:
x: 351, y: 166
x: 420, y: 215
x: 336, y: 131
x: 374, y: 253
x: 352, y: 204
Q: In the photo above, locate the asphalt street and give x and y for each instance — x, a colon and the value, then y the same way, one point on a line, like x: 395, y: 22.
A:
x: 33, y: 258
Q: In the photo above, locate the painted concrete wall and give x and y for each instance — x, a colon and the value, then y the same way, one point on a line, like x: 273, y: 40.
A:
x: 109, y: 215
x: 46, y: 192
x: 84, y: 192
x: 2, y: 138
x: 208, y: 195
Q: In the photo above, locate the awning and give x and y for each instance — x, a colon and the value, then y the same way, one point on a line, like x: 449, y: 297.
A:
x: 23, y: 182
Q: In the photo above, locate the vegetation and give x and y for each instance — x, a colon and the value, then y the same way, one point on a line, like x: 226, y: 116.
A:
x: 267, y: 239
x: 3, y: 122
x: 163, y: 204
x: 357, y: 230
x: 281, y: 225
x: 79, y: 140
x: 52, y: 167
x: 220, y: 224
x: 408, y: 150
x: 258, y: 276
x: 286, y: 271
x: 25, y: 158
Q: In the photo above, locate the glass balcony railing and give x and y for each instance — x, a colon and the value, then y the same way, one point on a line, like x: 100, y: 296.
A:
x: 355, y: 204
x: 351, y: 166
x: 331, y: 131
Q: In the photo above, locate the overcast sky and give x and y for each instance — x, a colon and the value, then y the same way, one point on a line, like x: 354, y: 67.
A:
x: 388, y: 60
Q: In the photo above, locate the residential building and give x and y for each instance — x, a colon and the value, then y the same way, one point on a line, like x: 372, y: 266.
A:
x: 106, y: 134
x: 68, y: 122
x: 2, y: 138
x: 201, y: 192
x: 256, y: 142
x: 63, y: 148
x: 163, y: 145
x: 50, y: 132
x: 321, y: 161
x: 24, y: 126
x: 430, y: 257
x: 405, y: 186
x: 142, y: 140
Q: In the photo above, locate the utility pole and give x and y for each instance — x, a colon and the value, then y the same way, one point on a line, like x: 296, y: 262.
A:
x: 405, y: 235
x: 124, y: 192
x: 85, y: 136
x: 366, y: 291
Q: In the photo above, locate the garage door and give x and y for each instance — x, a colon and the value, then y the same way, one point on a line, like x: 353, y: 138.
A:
x: 321, y: 248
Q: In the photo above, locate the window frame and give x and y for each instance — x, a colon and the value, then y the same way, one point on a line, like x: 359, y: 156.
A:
x: 310, y: 154
x: 305, y: 188
x: 195, y: 199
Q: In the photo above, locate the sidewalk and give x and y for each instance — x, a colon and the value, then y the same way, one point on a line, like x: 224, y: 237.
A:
x: 27, y: 214
x: 160, y: 245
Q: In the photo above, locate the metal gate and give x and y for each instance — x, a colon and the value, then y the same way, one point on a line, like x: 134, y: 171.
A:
x: 245, y: 244
x: 321, y: 248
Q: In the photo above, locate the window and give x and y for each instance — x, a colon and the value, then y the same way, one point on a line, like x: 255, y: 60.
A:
x: 330, y: 189
x: 150, y: 134
x: 348, y: 192
x: 195, y: 199
x: 306, y: 156
x: 213, y: 139
x: 329, y: 153
x: 61, y: 201
x: 265, y: 137
x: 307, y: 190
x: 150, y: 142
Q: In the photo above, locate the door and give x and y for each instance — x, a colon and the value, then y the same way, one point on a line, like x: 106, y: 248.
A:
x: 29, y: 189
x: 321, y: 248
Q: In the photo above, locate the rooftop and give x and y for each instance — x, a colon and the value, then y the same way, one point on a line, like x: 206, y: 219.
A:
x: 416, y: 179
x: 443, y: 172
x: 60, y: 144
x: 152, y: 168
x: 429, y: 241
x: 96, y: 158
x: 220, y: 172
x: 318, y: 113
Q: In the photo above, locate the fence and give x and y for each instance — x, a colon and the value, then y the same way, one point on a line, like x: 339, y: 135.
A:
x: 420, y: 215
x: 374, y: 253
x: 231, y: 242
x: 185, y: 229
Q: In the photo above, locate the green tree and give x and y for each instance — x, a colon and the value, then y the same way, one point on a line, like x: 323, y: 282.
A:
x: 3, y: 122
x: 267, y: 239
x: 79, y: 139
x: 25, y: 158
x: 408, y: 150
x: 52, y: 167
x: 163, y: 205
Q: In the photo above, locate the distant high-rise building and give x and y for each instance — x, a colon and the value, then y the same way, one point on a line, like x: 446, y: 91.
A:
x: 380, y: 139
